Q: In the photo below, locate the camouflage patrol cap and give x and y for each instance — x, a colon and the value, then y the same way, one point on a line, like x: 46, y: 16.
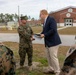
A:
x: 23, y: 18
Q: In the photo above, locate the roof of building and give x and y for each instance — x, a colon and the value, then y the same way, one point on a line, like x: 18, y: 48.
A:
x: 62, y: 9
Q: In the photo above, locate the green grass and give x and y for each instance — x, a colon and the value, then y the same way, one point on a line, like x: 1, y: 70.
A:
x: 68, y: 31
x: 36, y: 29
x: 38, y: 56
x: 5, y: 30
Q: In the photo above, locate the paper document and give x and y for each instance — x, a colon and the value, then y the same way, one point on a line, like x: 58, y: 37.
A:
x: 38, y: 36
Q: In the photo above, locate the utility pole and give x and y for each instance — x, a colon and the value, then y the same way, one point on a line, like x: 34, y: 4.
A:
x: 18, y: 13
x: 47, y: 6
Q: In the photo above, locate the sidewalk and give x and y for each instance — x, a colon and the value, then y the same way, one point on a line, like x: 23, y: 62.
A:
x: 62, y: 28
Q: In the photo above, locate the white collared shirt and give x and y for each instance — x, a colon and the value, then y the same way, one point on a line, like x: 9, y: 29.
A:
x: 45, y: 21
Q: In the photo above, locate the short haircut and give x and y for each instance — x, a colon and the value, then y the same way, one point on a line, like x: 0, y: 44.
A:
x: 45, y: 12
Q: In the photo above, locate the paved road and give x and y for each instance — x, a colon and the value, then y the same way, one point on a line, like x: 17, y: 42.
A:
x: 67, y: 40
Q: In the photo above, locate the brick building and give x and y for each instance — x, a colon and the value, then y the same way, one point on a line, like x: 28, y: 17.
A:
x: 65, y: 17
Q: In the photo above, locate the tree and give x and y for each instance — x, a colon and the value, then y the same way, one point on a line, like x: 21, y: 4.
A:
x: 10, y: 17
x: 1, y: 17
x: 32, y: 19
x: 16, y: 17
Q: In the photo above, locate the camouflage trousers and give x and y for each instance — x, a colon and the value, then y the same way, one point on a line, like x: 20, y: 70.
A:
x: 22, y: 53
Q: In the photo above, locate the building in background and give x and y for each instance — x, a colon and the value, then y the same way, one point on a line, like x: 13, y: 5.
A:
x: 34, y: 22
x: 12, y: 24
x: 65, y: 17
x: 3, y: 25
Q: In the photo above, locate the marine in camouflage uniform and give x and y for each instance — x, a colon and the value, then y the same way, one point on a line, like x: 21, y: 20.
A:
x: 69, y: 66
x: 25, y: 45
x: 7, y: 62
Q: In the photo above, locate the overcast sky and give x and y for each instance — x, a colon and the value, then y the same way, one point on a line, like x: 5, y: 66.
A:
x: 33, y: 7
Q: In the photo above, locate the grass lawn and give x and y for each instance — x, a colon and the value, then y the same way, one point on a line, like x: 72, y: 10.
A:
x: 36, y: 29
x: 68, y: 31
x: 5, y: 30
x: 38, y: 56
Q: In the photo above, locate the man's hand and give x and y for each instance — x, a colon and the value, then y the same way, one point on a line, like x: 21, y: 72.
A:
x: 74, y: 46
x: 42, y: 35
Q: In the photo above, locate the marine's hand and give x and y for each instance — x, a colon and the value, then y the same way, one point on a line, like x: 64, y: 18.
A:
x: 32, y: 39
x: 1, y: 43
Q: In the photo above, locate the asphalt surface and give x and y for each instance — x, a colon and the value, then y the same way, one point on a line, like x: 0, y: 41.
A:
x: 67, y: 40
